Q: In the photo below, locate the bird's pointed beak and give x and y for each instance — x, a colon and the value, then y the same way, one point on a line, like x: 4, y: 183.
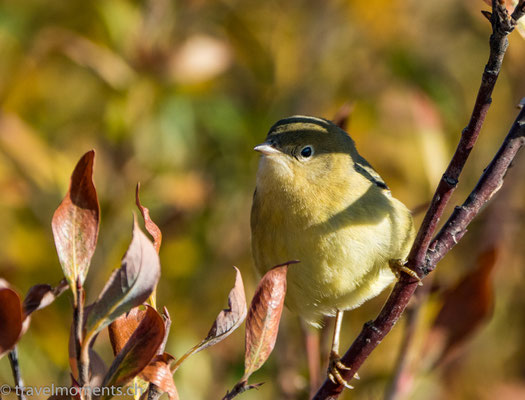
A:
x: 266, y: 149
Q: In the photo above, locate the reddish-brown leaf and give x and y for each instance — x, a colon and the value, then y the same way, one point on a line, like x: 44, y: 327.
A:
x: 40, y: 296
x: 138, y: 352
x: 230, y: 318
x: 123, y: 327
x: 151, y: 226
x: 75, y: 223
x: 11, y: 319
x: 465, y: 308
x: 158, y: 372
x: 128, y: 286
x: 226, y: 322
x: 264, y: 315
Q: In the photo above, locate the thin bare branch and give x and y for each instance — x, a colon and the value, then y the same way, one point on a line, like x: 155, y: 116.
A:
x: 490, y: 182
x: 241, y: 387
x: 374, y: 331
x: 519, y: 11
x: 423, y: 258
x: 501, y: 27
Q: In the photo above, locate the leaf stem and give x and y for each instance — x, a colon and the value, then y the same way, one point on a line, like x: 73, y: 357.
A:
x: 15, y: 368
x: 81, y: 346
x: 180, y: 360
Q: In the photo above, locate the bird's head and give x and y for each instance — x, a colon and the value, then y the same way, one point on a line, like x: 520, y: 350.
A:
x: 302, y: 150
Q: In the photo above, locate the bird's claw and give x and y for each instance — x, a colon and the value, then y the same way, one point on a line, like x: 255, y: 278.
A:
x: 334, y: 375
x: 398, y: 266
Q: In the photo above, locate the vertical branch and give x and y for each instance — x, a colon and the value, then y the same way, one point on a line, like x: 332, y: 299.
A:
x: 15, y: 368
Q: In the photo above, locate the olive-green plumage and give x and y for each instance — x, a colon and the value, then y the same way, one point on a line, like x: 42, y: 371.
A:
x: 318, y: 201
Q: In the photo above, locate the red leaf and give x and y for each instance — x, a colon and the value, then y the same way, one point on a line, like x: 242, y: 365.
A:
x: 158, y: 372
x: 138, y: 352
x: 11, y: 319
x: 14, y: 319
x: 75, y: 223
x: 123, y: 327
x: 151, y: 227
x: 229, y: 319
x: 264, y: 315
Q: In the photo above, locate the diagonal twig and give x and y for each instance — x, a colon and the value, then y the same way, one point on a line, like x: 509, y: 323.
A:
x: 490, y: 182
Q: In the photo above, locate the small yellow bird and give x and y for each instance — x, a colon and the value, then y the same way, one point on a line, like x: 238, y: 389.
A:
x: 318, y: 201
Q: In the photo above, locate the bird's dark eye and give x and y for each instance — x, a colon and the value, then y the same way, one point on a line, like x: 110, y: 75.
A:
x: 307, y: 152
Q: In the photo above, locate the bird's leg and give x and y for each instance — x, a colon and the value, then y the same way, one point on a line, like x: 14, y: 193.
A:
x: 334, y: 363
x: 397, y: 266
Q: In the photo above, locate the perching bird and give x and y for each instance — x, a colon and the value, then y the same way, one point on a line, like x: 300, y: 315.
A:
x: 318, y: 201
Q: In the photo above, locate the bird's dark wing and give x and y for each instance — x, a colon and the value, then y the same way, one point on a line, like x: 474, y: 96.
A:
x: 364, y: 168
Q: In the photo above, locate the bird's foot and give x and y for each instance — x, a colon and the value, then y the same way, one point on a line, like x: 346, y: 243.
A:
x: 397, y: 266
x: 334, y: 365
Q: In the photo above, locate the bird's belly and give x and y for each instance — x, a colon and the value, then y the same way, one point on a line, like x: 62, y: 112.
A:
x: 338, y: 269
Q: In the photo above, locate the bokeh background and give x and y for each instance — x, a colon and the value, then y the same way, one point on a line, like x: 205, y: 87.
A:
x: 175, y: 94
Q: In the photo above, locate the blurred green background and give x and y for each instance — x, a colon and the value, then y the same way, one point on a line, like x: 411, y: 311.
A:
x: 175, y: 94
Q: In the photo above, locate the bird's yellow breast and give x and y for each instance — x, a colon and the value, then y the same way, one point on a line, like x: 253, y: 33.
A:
x: 344, y: 234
